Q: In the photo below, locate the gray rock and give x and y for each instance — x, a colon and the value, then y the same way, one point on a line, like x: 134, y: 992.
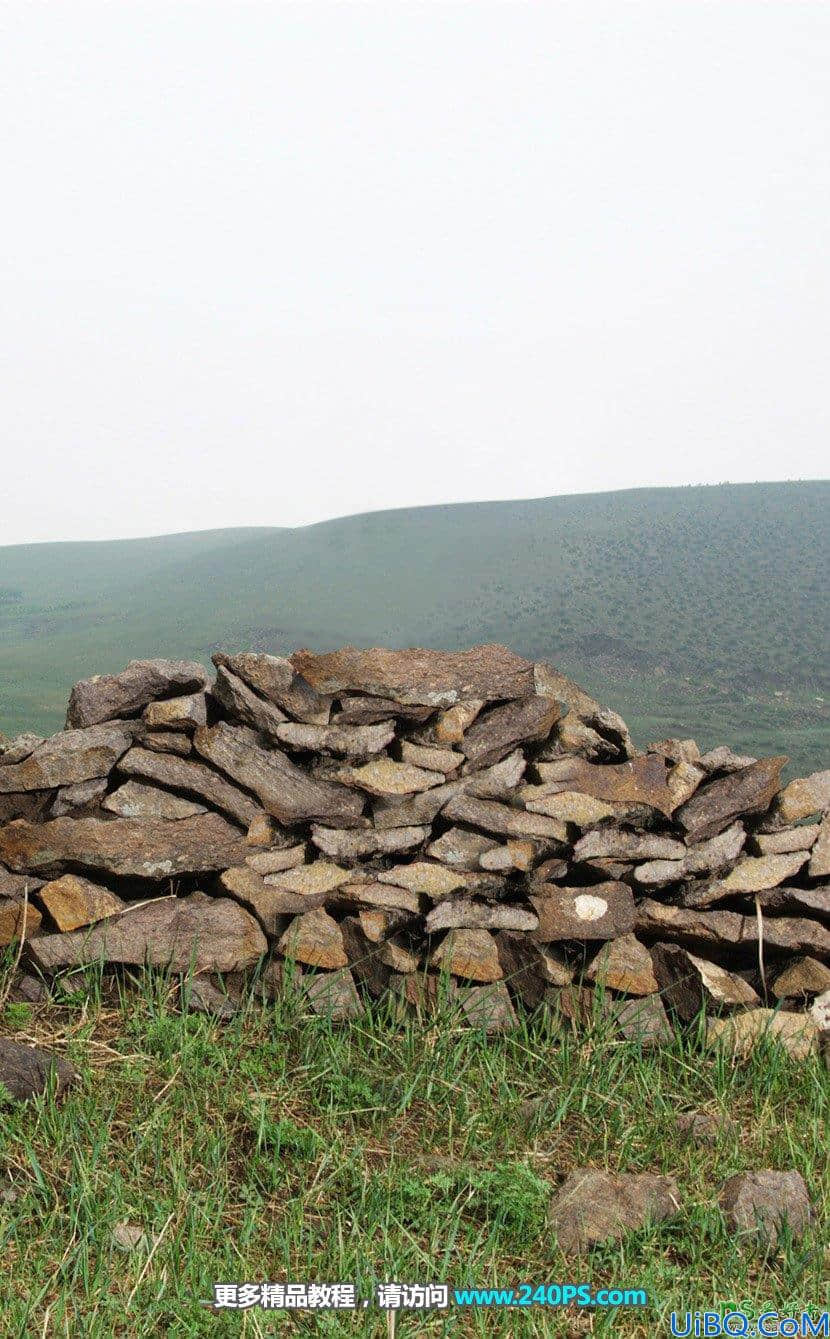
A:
x: 593, y: 1206
x: 27, y: 1071
x: 106, y: 697
x: 759, y: 1204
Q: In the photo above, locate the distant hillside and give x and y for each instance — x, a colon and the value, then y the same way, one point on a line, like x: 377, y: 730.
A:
x: 702, y: 610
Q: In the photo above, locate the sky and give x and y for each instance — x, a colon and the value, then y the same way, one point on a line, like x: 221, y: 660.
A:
x: 266, y: 264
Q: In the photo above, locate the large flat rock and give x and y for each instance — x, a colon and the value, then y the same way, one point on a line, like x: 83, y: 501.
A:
x: 602, y: 911
x: 192, y: 777
x: 276, y: 680
x: 642, y: 781
x: 66, y: 759
x: 124, y: 847
x: 417, y: 676
x: 714, y: 806
x: 105, y: 697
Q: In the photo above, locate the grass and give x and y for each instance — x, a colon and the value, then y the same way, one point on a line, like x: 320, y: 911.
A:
x: 277, y: 1147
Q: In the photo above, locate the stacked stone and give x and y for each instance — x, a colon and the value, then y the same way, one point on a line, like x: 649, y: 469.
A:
x: 391, y: 820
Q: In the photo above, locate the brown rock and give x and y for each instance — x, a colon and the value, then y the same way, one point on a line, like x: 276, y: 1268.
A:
x: 269, y: 903
x: 136, y: 800
x: 314, y: 939
x: 129, y: 847
x: 625, y: 965
x: 501, y: 729
x: 370, y: 893
x: 194, y: 778
x: 688, y: 926
x: 642, y: 781
x: 643, y: 1021
x: 307, y: 880
x: 168, y: 741
x: 571, y: 806
x: 462, y: 913
x: 14, y: 921
x: 440, y: 881
x: 15, y: 885
x: 716, y: 853
x: 276, y: 680
x: 460, y: 848
x: 803, y: 976
x: 365, y: 958
x: 417, y: 676
x: 717, y: 804
x: 550, y: 683
x: 361, y: 710
x: 28, y: 1071
x: 802, y: 798
x: 201, y: 996
x: 658, y: 873
x: 755, y: 873
x: 106, y: 697
x: 570, y: 737
x: 592, y: 1206
x: 819, y: 865
x: 384, y: 776
x: 274, y: 862
x: 414, y: 810
x: 722, y: 759
x: 530, y: 968
x: 603, y: 911
x: 498, y: 781
x: 514, y: 855
x: 432, y: 759
x: 241, y: 703
x: 787, y: 839
x: 349, y: 844
x: 488, y: 1007
x: 676, y: 750
x: 705, y: 1127
x: 815, y: 901
x: 450, y: 724
x: 73, y: 902
x: 77, y: 799
x: 67, y: 758
x: 350, y: 741
x: 759, y: 1204
x: 205, y: 934
x: 610, y: 843
x: 683, y: 780
x: 285, y: 791
x: 740, y: 1033
x: 31, y: 804
x: 470, y: 954
x: 15, y: 750
x: 333, y: 995
x: 688, y: 983
x: 503, y: 819
x: 176, y: 713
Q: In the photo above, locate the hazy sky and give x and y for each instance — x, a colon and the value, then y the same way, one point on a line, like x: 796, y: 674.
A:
x: 264, y: 264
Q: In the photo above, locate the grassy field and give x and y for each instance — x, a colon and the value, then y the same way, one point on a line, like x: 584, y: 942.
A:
x: 277, y: 1148
x: 694, y: 610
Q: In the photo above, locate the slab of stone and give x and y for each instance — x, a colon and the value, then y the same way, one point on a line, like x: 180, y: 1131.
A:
x: 135, y: 799
x: 760, y: 1204
x: 15, y: 750
x: 333, y: 995
x: 530, y: 968
x: 755, y: 873
x: 353, y: 845
x: 803, y: 976
x: 276, y: 680
x: 503, y: 819
x: 241, y: 703
x: 802, y: 798
x: 168, y: 741
x: 205, y: 934
x: 683, y: 780
x: 502, y: 729
x: 740, y: 1033
x: 384, y: 776
x: 812, y: 901
x: 314, y: 938
x: 689, y: 983
x: 498, y: 781
x: 193, y: 777
x: 514, y: 855
x: 819, y: 866
x: 612, y: 843
x: 550, y: 683
x: 643, y: 1021
x: 641, y: 781
x: 440, y: 881
x: 285, y: 791
x: 706, y: 1127
x: 676, y: 750
x: 625, y: 965
x: 16, y: 919
x: 29, y: 1071
x: 460, y: 848
x: 470, y: 954
x: 463, y: 913
x: 375, y: 893
x: 571, y: 806
x: 201, y: 996
x: 603, y: 911
x: 348, y: 741
x: 106, y: 697
x: 717, y: 852
x: 418, y: 676
x: 77, y: 799
x: 717, y: 804
x: 592, y: 1206
x: 659, y: 873
x: 570, y: 737
x: 722, y: 759
x: 73, y: 902
x: 364, y: 956
x: 274, y: 862
x: 449, y: 725
x: 414, y: 810
x: 321, y: 876
x: 14, y: 886
x: 269, y: 903
x: 140, y: 848
x: 176, y: 713
x: 433, y: 759
x: 488, y: 1007
x: 688, y: 926
x: 800, y: 838
x: 359, y: 709
x: 67, y: 758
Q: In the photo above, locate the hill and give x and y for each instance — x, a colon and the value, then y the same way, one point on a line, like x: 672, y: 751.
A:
x: 699, y: 610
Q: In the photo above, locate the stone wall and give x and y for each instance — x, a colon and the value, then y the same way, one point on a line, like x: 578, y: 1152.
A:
x: 417, y: 822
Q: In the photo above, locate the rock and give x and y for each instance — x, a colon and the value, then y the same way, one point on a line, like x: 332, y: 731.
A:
x: 462, y: 913
x: 284, y: 790
x: 202, y: 997
x: 717, y: 804
x: 264, y: 831
x: 28, y: 989
x: 593, y: 1206
x: 314, y: 939
x: 129, y: 1237
x: 451, y: 723
x: 432, y: 759
x: 168, y: 741
x: 625, y: 965
x: 501, y: 729
x: 514, y: 855
x: 787, y: 839
x: 319, y: 877
x: 676, y: 750
x: 420, y: 677
x: 814, y: 901
x: 67, y: 758
x: 803, y: 976
x: 796, y: 1033
x: 819, y: 865
x: 550, y: 683
x: 460, y: 848
x: 31, y: 805
x: 269, y: 903
x: 176, y: 713
x: 194, y: 778
x: 274, y: 862
x: 682, y: 781
x: 384, y: 776
x: 658, y: 873
x: 386, y: 896
x: 75, y: 799
x: 820, y: 1013
x: 106, y: 697
x: 716, y: 853
x: 140, y: 848
x: 365, y: 958
x: 488, y: 1007
x: 498, y: 781
x: 643, y: 1021
x: 802, y: 798
x: 19, y: 748
x: 688, y: 926
x: 570, y: 806
x: 724, y: 760
x: 761, y: 1204
x: 618, y: 844
x: 705, y: 1127
x: 198, y: 933
x: 603, y: 911
x: 503, y: 819
x: 570, y: 737
x: 242, y: 704
x: 754, y: 873
x: 642, y: 781
x: 362, y: 710
x: 28, y: 1071
x: 529, y: 968
x: 350, y: 741
x: 414, y: 810
x: 276, y: 680
x: 14, y: 922
x: 16, y: 885
x: 470, y: 954
x: 688, y: 983
x: 349, y: 844
x: 136, y: 800
x: 333, y: 995
x: 73, y: 902
x: 440, y: 881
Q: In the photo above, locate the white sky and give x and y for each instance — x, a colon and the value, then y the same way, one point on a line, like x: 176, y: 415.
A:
x: 263, y: 264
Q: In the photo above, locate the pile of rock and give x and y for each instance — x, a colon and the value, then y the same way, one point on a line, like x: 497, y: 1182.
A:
x: 390, y: 820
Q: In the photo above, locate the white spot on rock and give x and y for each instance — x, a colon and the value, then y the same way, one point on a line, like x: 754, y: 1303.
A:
x: 590, y: 908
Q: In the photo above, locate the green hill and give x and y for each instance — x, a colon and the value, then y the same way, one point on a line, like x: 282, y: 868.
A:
x: 701, y: 610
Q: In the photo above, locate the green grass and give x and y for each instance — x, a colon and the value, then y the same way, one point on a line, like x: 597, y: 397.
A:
x: 277, y: 1147
x: 682, y: 607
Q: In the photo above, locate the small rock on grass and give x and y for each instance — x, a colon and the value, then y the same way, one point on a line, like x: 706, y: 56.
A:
x: 758, y: 1204
x: 593, y: 1206
x: 129, y: 1237
x: 797, y: 1033
x: 705, y: 1127
x: 202, y: 997
x: 25, y: 1070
